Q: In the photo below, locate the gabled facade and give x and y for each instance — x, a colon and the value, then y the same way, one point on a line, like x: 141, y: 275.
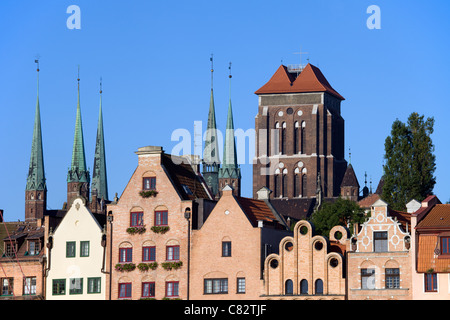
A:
x: 431, y: 244
x: 22, y: 260
x: 308, y: 266
x: 76, y: 256
x: 150, y: 232
x: 379, y: 265
x: 228, y: 251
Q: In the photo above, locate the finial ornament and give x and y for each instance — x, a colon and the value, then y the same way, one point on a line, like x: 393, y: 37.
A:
x: 212, y: 69
x: 101, y: 85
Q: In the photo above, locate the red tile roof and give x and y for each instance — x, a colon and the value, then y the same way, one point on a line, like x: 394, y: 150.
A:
x: 310, y: 79
x: 256, y: 210
x: 427, y: 258
x: 437, y: 218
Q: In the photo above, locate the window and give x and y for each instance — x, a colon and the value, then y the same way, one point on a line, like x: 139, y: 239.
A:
x: 430, y: 282
x: 172, y: 289
x: 380, y: 240
x: 9, y: 249
x: 59, y: 287
x: 304, y: 286
x: 172, y: 253
x: 319, y: 286
x: 392, y: 278
x: 149, y: 183
x: 70, y: 249
x: 7, y: 286
x: 33, y: 247
x: 148, y: 289
x: 76, y: 286
x: 304, y: 185
x: 124, y: 290
x: 215, y: 286
x: 29, y: 286
x: 148, y: 253
x: 367, y: 278
x: 94, y: 285
x: 161, y: 218
x: 125, y: 254
x: 226, y: 248
x: 289, y: 287
x: 136, y: 219
x: 240, y: 285
x: 445, y: 245
x: 84, y: 248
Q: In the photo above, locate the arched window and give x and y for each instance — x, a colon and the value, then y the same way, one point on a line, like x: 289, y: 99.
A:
x: 319, y: 286
x: 304, y: 185
x: 284, y: 183
x: 283, y: 138
x: 296, y: 138
x: 289, y: 287
x: 304, y: 286
x: 303, y: 137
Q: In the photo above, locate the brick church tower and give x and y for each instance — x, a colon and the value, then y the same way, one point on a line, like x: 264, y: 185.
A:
x: 299, y: 135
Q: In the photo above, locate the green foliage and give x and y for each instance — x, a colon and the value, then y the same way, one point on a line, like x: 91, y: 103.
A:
x: 410, y: 162
x: 341, y: 212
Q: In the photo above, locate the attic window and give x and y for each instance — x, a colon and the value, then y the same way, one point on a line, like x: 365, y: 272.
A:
x: 187, y: 190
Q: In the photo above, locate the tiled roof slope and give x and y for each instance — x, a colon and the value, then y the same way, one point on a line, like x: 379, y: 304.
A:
x: 350, y: 179
x: 427, y: 258
x: 310, y: 79
x: 438, y: 217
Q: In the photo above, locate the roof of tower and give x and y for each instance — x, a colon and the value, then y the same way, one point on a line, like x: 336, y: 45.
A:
x: 99, y: 178
x: 78, y: 171
x: 36, y: 173
x: 350, y: 179
x: 310, y: 79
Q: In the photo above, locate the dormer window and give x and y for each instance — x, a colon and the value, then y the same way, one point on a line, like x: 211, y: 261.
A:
x: 33, y: 247
x: 9, y: 249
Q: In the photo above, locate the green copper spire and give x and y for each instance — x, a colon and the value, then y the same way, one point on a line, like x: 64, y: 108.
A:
x: 211, y: 161
x: 36, y: 174
x: 230, y: 167
x: 99, y: 180
x: 78, y: 171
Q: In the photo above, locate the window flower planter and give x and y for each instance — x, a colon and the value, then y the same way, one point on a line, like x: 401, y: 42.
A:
x: 148, y: 193
x: 160, y: 229
x: 172, y: 265
x: 146, y: 266
x: 127, y: 267
x: 134, y: 230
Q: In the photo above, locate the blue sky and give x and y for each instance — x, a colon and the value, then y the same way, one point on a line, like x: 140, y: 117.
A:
x: 153, y: 57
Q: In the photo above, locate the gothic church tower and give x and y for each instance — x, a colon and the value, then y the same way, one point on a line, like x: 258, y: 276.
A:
x: 299, y: 134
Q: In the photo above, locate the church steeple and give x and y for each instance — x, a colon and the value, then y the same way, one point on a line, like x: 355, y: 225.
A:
x: 78, y: 176
x: 36, y: 188
x: 230, y: 173
x: 211, y: 161
x: 99, y: 185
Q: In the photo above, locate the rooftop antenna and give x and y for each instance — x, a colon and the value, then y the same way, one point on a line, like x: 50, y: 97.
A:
x: 301, y: 53
x: 349, y: 156
x: 230, y: 76
x: 101, y: 85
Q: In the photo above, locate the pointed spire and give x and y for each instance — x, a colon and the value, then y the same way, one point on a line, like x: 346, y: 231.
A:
x: 99, y: 179
x: 78, y: 171
x: 36, y: 173
x: 230, y: 167
x: 211, y: 151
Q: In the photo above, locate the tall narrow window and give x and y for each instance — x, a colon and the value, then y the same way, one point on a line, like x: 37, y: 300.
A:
x: 380, y: 241
x: 283, y: 138
x: 284, y: 185
x: 70, y: 249
x: 367, y: 278
x: 276, y: 183
x: 240, y: 286
x: 445, y: 245
x: 304, y: 286
x: 84, y: 248
x: 296, y: 137
x: 319, y: 286
x: 303, y: 138
x: 430, y: 282
x: 304, y: 185
x: 226, y: 248
x: 288, y: 287
x: 29, y: 286
x: 7, y: 286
